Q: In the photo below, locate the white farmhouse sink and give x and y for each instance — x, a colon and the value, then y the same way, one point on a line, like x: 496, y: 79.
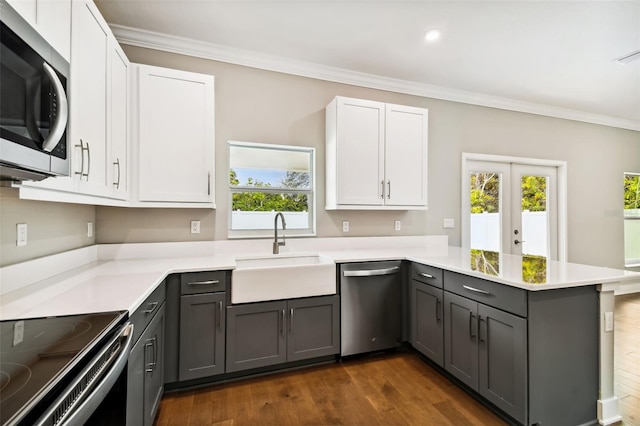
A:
x: 258, y: 279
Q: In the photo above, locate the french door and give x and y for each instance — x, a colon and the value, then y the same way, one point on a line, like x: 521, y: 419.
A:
x: 510, y: 207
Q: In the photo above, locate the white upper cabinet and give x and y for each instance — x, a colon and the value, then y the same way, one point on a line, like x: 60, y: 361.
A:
x: 175, y: 138
x: 376, y: 156
x: 118, y: 123
x: 52, y: 20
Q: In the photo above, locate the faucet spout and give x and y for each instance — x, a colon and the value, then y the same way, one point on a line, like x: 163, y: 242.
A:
x: 276, y: 243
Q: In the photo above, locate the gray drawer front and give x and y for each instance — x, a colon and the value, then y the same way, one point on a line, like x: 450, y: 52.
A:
x: 501, y: 296
x: 427, y: 274
x: 203, y: 282
x: 145, y: 312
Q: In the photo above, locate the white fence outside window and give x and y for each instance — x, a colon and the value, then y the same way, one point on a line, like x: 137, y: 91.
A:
x: 264, y: 220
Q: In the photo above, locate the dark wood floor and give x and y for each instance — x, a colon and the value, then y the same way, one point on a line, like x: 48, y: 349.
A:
x: 627, y: 357
x: 389, y: 389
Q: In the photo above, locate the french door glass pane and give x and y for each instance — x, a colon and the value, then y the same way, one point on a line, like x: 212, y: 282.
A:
x: 534, y: 215
x: 486, y: 220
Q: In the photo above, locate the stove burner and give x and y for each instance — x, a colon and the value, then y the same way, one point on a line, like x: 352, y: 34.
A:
x: 14, y: 380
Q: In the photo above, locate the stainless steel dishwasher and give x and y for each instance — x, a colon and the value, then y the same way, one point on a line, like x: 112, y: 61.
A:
x: 370, y: 306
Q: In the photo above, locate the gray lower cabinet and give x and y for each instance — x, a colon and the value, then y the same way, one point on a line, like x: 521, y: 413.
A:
x: 202, y: 335
x: 532, y: 354
x: 145, y: 381
x: 487, y: 350
x: 426, y: 313
x: 270, y: 333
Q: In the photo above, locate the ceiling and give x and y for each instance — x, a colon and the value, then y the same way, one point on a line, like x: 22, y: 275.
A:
x: 548, y: 57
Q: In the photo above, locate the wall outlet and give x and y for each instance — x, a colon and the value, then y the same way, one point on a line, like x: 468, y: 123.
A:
x: 345, y: 226
x: 448, y: 223
x: 608, y: 321
x: 397, y: 225
x: 195, y: 226
x: 18, y: 333
x: 89, y: 229
x: 21, y: 234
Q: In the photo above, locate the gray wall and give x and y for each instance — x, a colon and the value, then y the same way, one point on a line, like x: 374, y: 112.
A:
x: 263, y: 106
x: 51, y: 227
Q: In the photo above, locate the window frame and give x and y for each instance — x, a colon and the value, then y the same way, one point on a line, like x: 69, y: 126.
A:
x: 629, y: 216
x: 310, y: 231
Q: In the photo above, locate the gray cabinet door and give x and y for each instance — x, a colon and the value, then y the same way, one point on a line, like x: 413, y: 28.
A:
x: 154, y: 366
x: 202, y: 335
x: 313, y: 327
x: 427, y: 331
x: 145, y: 374
x: 503, y: 360
x: 255, y: 335
x: 461, y: 338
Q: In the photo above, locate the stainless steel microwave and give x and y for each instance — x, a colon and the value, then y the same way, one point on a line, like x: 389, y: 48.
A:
x: 33, y: 103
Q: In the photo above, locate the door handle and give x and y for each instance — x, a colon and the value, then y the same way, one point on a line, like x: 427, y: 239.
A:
x: 438, y: 317
x: 220, y: 316
x: 372, y: 272
x: 117, y: 182
x: 291, y: 321
x: 388, y: 189
x: 60, y: 125
x: 480, y: 321
x: 516, y: 242
x: 471, y: 317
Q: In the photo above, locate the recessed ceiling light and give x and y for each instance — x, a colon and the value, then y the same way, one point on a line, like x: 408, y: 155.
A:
x: 432, y: 35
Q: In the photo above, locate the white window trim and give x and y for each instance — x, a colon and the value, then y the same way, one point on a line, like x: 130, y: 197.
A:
x: 562, y: 193
x: 268, y: 233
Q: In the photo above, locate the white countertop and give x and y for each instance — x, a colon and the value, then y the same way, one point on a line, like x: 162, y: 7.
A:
x: 121, y: 277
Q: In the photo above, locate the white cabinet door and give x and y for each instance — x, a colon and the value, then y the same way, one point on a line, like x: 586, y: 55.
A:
x: 376, y: 156
x: 176, y: 136
x: 52, y: 20
x: 118, y: 123
x: 406, y: 156
x: 359, y: 152
x: 88, y: 94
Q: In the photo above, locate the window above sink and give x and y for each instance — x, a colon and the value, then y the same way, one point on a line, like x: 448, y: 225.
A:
x: 265, y: 179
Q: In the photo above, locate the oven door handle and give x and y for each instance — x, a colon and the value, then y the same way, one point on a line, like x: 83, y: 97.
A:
x: 96, y: 393
x: 60, y: 125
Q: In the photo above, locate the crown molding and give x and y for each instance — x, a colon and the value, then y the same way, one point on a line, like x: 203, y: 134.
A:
x: 167, y: 43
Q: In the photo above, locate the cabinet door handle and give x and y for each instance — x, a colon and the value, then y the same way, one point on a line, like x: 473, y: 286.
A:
x: 208, y: 183
x: 117, y: 182
x: 382, y: 189
x: 220, y: 315
x: 282, y: 322
x: 148, y: 364
x: 480, y: 321
x: 88, y: 162
x: 291, y: 321
x: 155, y: 351
x: 152, y: 307
x: 438, y: 316
x: 204, y: 282
x: 471, y: 317
x: 82, y: 150
x: 476, y: 290
x: 427, y: 276
x: 389, y: 189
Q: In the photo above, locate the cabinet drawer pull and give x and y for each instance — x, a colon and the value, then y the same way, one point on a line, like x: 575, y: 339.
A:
x: 152, y: 307
x: 427, y: 276
x: 220, y: 316
x: 476, y: 290
x: 204, y: 282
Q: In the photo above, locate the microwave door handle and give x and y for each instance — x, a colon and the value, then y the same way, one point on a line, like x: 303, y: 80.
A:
x: 58, y: 128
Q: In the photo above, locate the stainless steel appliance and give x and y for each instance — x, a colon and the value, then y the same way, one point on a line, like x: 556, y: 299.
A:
x: 33, y: 102
x: 66, y: 370
x: 370, y: 306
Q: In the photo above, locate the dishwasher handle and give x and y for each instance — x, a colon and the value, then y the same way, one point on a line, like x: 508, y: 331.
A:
x: 372, y: 272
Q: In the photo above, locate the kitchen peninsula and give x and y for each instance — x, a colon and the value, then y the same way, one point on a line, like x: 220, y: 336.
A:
x: 121, y: 277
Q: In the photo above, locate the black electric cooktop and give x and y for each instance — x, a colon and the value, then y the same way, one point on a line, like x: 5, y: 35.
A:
x: 38, y: 357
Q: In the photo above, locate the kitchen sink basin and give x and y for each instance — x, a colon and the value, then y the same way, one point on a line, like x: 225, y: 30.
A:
x: 276, y: 277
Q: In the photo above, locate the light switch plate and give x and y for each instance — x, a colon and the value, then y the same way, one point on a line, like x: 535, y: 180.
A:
x: 89, y: 229
x: 448, y: 223
x: 18, y: 333
x: 21, y: 234
x: 608, y: 321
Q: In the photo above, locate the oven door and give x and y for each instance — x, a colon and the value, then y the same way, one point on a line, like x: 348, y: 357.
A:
x: 99, y: 392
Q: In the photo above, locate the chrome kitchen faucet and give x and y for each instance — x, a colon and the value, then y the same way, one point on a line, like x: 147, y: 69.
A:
x: 276, y: 243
